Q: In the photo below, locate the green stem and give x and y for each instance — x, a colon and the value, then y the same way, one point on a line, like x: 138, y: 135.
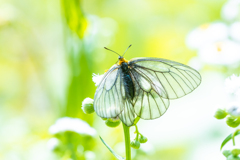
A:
x: 127, y: 141
x: 137, y: 132
x: 233, y: 136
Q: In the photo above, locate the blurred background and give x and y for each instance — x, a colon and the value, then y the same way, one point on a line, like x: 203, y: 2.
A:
x: 50, y: 49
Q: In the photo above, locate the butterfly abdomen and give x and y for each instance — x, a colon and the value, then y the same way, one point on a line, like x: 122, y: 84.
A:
x: 127, y: 81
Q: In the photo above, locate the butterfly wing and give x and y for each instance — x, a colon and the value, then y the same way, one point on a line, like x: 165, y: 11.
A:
x: 110, y: 96
x: 158, y: 80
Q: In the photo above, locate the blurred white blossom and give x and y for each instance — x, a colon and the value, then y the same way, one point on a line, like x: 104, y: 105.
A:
x: 52, y: 143
x: 230, y: 10
x: 195, y: 63
x: 97, y: 78
x: 234, y: 109
x: 90, y: 155
x: 207, y: 34
x: 72, y: 124
x: 232, y: 85
x: 222, y: 53
x: 235, y: 31
x: 100, y: 31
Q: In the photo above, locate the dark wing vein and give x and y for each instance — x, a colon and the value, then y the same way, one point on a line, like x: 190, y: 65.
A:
x: 107, y: 100
x: 149, y: 103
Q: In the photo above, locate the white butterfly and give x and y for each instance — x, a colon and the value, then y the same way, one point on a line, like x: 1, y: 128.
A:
x: 142, y: 87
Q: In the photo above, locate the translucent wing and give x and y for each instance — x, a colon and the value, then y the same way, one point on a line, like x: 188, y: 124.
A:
x: 158, y: 80
x: 176, y: 79
x: 148, y: 101
x: 110, y: 96
x: 127, y: 116
x: 110, y: 99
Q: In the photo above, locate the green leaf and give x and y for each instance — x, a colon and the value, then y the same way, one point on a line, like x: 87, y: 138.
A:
x: 111, y: 150
x: 229, y: 137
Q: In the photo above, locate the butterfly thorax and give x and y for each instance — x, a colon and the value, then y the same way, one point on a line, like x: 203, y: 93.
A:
x: 121, y: 60
x: 127, y: 81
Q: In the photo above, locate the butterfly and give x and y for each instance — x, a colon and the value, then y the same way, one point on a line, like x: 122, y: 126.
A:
x: 142, y: 87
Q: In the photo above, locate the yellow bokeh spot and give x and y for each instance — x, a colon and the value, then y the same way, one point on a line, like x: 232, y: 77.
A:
x: 219, y: 47
x: 204, y: 26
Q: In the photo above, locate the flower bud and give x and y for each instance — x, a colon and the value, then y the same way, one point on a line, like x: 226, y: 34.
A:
x: 112, y: 122
x: 234, y: 109
x: 220, y: 114
x: 142, y: 139
x: 231, y: 157
x: 87, y: 106
x: 232, y: 122
x: 235, y: 151
x: 226, y: 153
x: 135, y: 144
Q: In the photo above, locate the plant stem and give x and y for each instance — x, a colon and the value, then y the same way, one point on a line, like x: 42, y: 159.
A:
x: 127, y: 141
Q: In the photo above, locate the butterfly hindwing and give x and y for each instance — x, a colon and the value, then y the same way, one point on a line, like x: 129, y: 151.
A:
x: 148, y: 101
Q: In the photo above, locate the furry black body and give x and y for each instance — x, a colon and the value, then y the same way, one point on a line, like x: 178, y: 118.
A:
x: 127, y: 81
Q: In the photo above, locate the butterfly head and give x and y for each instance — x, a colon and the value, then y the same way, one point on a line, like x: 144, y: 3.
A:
x: 121, y: 60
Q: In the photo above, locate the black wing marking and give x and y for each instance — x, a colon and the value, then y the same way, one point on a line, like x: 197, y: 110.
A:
x: 176, y: 79
x: 110, y: 96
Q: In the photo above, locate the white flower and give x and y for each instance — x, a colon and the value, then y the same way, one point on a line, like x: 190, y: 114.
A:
x: 97, y: 78
x: 235, y: 31
x: 230, y: 10
x: 90, y: 155
x: 72, y: 124
x: 206, y: 34
x: 223, y: 53
x: 232, y: 85
x: 52, y: 143
x: 195, y: 63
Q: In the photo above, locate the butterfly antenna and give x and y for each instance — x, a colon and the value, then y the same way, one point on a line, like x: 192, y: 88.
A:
x: 111, y: 51
x: 126, y: 50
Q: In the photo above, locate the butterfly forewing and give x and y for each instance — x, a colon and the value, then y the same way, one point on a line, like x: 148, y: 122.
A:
x: 176, y: 79
x: 109, y: 98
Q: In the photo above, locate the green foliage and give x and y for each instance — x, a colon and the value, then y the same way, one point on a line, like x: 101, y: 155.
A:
x: 232, y: 121
x: 229, y: 137
x: 142, y: 139
x: 220, y: 114
x: 110, y: 122
x: 111, y: 150
x: 232, y: 157
x: 226, y: 153
x: 135, y: 144
x: 87, y: 106
x: 74, y: 16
